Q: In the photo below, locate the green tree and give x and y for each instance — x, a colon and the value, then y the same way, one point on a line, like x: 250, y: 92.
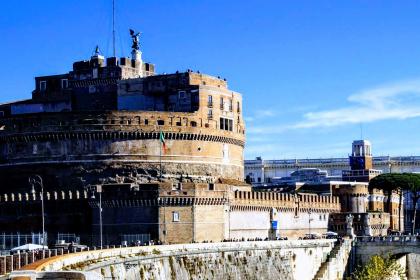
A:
x: 379, y: 268
x: 402, y: 182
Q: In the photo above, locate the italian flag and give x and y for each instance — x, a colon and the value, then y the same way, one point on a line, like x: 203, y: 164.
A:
x: 162, y: 140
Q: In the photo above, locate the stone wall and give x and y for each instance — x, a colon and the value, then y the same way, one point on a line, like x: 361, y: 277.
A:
x: 413, y: 266
x: 172, y: 212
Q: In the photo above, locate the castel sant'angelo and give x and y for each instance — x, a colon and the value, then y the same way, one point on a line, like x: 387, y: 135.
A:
x: 164, y: 151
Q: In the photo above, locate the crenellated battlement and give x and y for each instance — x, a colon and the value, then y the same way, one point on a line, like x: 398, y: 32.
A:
x: 287, y: 201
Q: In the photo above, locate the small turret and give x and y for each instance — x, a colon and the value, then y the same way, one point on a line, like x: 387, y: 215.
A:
x: 361, y: 163
x: 361, y: 157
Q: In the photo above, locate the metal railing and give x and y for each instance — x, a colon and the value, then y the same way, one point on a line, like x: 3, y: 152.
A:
x: 9, y: 241
x: 17, y: 260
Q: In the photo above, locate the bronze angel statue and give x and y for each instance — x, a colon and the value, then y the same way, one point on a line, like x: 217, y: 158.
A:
x: 135, y: 37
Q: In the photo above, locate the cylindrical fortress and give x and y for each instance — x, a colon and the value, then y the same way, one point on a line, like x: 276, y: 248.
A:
x: 71, y: 149
x: 116, y: 130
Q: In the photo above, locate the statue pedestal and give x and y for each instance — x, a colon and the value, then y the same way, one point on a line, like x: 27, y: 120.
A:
x: 136, y: 55
x: 137, y: 62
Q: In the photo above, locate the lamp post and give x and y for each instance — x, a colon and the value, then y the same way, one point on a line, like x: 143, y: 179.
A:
x: 98, y: 189
x: 310, y: 212
x: 37, y: 180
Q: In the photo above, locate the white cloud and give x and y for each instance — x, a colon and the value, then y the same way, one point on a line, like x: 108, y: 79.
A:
x: 394, y: 101
x: 259, y: 114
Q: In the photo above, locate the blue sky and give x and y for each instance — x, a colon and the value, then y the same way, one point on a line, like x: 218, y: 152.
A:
x: 312, y: 73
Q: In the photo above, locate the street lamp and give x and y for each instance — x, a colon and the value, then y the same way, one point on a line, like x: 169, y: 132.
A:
x: 37, y: 180
x: 310, y: 219
x: 98, y: 189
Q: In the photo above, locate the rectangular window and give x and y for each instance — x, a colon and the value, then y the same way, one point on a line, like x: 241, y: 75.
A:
x: 210, y: 114
x: 175, y: 216
x: 210, y: 101
x: 177, y: 186
x: 226, y: 124
x: 230, y: 105
x: 238, y: 107
x: 64, y: 83
x: 221, y: 103
x: 43, y: 85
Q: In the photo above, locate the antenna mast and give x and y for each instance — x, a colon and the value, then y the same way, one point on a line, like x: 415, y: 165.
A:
x: 113, y: 26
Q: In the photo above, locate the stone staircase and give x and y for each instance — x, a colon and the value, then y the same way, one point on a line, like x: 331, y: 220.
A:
x: 333, y: 267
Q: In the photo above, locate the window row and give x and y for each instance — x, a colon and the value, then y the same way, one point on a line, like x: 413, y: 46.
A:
x: 226, y: 106
x: 43, y: 84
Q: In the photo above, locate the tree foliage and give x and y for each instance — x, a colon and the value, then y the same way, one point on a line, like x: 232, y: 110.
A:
x: 402, y: 181
x: 379, y: 268
x: 393, y: 181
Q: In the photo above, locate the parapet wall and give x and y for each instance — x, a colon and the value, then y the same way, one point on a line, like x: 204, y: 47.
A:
x: 238, y: 260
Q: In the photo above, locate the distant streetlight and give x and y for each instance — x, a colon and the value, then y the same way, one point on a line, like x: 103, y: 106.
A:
x: 37, y: 180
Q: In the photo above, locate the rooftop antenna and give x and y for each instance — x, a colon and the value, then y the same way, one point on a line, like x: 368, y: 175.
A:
x: 113, y: 27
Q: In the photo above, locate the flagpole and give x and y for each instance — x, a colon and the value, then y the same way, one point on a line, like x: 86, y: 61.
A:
x: 160, y: 155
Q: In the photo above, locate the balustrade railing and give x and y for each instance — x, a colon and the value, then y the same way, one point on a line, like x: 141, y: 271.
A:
x: 390, y: 238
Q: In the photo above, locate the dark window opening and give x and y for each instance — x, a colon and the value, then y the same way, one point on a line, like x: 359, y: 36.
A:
x: 161, y: 122
x: 193, y: 124
x: 178, y: 123
x: 226, y: 124
x: 146, y: 121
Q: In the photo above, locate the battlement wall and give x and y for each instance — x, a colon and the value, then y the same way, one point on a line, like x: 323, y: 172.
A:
x: 302, y: 203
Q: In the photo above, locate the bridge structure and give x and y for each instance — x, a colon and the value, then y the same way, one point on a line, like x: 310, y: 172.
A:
x: 406, y: 249
x: 366, y: 246
x: 286, y: 259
